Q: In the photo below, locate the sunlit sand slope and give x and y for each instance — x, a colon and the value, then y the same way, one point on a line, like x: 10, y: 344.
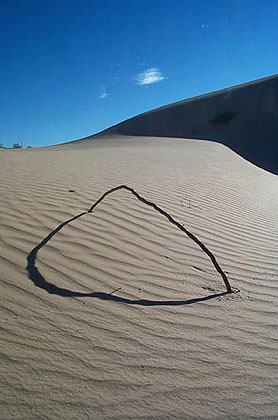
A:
x: 144, y: 332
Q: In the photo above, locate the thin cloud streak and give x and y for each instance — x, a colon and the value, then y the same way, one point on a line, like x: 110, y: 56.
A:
x: 103, y: 95
x: 149, y: 76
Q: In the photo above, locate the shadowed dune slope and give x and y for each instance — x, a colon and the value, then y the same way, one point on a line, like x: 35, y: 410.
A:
x: 244, y: 118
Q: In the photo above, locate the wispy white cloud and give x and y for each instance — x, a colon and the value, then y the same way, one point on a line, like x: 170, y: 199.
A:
x: 103, y: 95
x: 149, y: 76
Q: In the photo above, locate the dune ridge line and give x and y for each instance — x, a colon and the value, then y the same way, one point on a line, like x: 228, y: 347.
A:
x: 34, y: 274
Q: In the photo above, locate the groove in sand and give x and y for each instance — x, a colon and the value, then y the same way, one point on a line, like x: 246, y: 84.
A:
x: 39, y: 280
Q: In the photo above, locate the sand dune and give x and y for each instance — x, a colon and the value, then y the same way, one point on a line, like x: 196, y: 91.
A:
x: 147, y: 331
x: 243, y: 118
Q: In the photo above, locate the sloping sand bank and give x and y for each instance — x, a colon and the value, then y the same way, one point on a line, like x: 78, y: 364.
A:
x: 147, y: 332
x: 243, y: 117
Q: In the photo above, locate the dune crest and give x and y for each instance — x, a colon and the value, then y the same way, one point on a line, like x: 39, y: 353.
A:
x: 243, y: 117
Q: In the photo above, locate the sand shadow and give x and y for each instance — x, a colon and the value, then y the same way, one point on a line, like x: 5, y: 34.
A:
x: 39, y: 281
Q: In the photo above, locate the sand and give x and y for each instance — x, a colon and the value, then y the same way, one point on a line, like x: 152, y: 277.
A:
x: 121, y: 315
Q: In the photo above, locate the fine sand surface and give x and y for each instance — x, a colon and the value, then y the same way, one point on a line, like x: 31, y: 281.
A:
x: 168, y: 344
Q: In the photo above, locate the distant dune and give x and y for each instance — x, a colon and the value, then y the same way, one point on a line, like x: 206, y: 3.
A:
x: 243, y: 117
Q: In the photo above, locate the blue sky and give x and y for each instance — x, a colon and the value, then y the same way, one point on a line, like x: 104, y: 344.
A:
x: 71, y: 68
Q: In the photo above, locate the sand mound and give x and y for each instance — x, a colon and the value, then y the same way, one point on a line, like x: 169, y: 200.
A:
x: 147, y: 334
x: 243, y: 117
